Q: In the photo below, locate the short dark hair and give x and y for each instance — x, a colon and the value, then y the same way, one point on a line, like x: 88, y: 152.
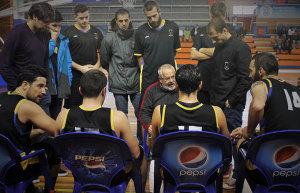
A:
x: 188, y: 78
x: 149, y: 5
x: 42, y: 11
x: 30, y: 73
x: 80, y: 8
x: 267, y: 61
x: 57, y: 17
x: 218, y: 9
x: 218, y: 24
x: 122, y: 11
x: 113, y: 24
x: 92, y: 82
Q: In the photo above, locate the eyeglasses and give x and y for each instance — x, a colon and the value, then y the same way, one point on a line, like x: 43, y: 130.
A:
x: 168, y: 78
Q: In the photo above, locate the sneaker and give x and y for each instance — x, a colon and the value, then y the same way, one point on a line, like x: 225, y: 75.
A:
x: 228, y: 173
x: 62, y: 173
x: 36, y: 181
x: 230, y: 184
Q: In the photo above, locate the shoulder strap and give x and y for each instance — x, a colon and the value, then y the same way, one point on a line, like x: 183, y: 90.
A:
x: 269, y: 86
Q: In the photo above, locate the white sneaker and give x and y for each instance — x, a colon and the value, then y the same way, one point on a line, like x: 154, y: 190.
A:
x: 230, y: 184
x: 228, y: 173
x: 62, y: 173
x: 36, y: 181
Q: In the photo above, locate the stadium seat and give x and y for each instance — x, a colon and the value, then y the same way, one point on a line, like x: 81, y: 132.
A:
x: 193, y: 159
x: 95, y: 160
x: 276, y: 155
x: 10, y: 157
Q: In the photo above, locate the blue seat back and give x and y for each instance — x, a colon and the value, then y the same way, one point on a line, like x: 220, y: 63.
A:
x: 93, y: 158
x: 191, y: 157
x: 277, y: 156
x: 8, y: 155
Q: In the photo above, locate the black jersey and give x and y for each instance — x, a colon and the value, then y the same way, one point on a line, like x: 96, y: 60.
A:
x: 157, y: 47
x: 84, y: 45
x: 282, y: 110
x: 188, y: 116
x: 10, y: 126
x: 99, y: 120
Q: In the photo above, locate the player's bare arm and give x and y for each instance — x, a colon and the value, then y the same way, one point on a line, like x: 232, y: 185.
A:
x: 222, y: 121
x: 259, y: 94
x: 123, y: 130
x: 31, y: 112
x: 156, y: 122
x: 60, y: 120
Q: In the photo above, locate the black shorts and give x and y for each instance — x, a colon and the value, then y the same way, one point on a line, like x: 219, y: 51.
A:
x: 122, y: 175
x: 45, y: 141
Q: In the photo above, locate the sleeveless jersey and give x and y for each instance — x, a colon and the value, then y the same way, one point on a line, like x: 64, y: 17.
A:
x: 99, y: 120
x: 10, y: 126
x: 192, y: 117
x: 282, y: 110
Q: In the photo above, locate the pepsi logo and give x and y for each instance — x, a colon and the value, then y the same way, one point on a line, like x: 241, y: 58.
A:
x: 95, y: 167
x: 287, y: 157
x: 192, y: 157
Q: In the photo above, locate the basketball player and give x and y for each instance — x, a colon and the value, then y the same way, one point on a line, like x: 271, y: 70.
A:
x: 273, y: 100
x: 19, y: 112
x: 275, y: 105
x: 90, y: 114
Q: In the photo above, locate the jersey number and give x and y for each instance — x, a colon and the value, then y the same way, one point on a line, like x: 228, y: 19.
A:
x: 296, y: 100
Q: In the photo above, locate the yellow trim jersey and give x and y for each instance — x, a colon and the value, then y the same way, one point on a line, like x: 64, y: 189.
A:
x: 10, y: 126
x: 98, y: 120
x: 188, y: 116
x: 282, y: 109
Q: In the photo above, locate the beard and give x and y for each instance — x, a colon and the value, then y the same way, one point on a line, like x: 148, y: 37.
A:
x: 125, y: 34
x: 155, y: 24
x: 168, y: 87
x: 256, y: 76
x: 36, y: 99
x: 221, y: 43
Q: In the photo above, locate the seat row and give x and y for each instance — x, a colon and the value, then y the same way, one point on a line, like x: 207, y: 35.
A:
x: 194, y: 161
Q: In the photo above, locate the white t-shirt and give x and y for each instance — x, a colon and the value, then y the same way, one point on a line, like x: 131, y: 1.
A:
x: 180, y: 32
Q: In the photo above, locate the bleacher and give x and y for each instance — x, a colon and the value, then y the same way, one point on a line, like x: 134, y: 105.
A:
x: 285, y: 61
x: 184, y: 12
x: 257, y: 45
x: 184, y: 55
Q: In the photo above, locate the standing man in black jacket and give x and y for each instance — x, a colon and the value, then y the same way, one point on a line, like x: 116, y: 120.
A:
x: 203, y: 50
x: 231, y: 76
x: 117, y: 57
